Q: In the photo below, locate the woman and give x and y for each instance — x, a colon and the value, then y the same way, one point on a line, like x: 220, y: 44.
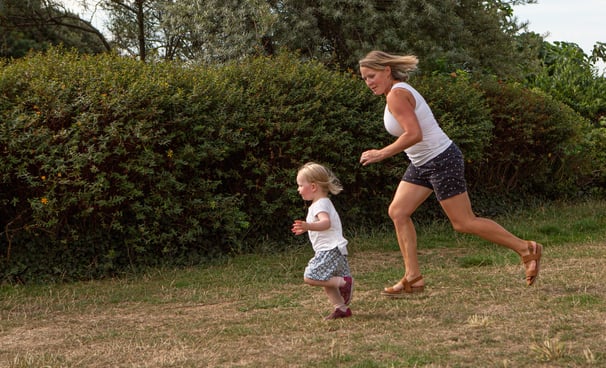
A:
x: 436, y: 166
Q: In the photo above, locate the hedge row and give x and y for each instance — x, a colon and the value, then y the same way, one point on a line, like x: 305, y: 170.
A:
x: 111, y: 164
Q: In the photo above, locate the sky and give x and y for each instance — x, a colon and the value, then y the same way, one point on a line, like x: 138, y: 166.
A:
x: 581, y: 21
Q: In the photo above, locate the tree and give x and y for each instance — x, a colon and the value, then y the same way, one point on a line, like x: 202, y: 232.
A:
x: 473, y: 35
x: 569, y: 75
x: 334, y: 32
x: 218, y: 30
x: 37, y: 24
x: 133, y: 24
x: 208, y: 30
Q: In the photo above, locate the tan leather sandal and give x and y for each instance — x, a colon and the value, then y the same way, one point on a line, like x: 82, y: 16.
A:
x: 536, y: 251
x: 407, y: 288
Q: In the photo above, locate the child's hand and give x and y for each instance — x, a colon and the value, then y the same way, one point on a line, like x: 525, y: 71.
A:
x: 299, y: 227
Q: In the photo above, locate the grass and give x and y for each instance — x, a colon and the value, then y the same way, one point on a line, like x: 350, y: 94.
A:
x: 254, y: 311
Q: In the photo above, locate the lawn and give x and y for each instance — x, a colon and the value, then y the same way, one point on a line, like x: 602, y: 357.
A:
x: 255, y: 311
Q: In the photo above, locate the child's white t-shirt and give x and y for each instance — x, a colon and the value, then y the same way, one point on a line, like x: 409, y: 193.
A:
x: 332, y: 237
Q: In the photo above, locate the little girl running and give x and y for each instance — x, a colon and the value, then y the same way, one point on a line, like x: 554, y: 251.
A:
x: 329, y: 267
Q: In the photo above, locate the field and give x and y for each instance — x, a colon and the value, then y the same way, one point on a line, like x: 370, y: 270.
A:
x: 255, y: 311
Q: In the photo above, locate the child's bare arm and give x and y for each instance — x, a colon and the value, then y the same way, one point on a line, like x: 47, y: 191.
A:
x: 299, y: 227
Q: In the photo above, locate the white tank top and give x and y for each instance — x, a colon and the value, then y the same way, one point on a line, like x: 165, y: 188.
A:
x: 434, y: 141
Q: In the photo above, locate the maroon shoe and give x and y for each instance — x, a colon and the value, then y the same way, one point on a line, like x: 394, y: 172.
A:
x: 347, y: 289
x: 339, y: 314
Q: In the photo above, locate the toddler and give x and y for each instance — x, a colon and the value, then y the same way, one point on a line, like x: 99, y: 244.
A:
x: 329, y: 267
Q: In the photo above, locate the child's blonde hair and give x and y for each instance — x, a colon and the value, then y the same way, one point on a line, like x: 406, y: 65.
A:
x: 322, y: 176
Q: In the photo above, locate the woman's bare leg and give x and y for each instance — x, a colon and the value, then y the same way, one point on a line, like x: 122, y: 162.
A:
x: 458, y: 209
x: 407, y: 199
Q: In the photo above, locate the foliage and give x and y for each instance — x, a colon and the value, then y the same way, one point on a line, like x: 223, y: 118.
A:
x: 106, y: 165
x: 200, y: 30
x: 536, y: 143
x: 472, y: 35
x: 594, y: 147
x: 335, y: 32
x: 38, y: 24
x: 462, y: 111
x: 110, y: 163
x: 570, y: 76
x: 135, y: 25
x: 290, y: 113
x: 446, y: 35
x: 217, y: 30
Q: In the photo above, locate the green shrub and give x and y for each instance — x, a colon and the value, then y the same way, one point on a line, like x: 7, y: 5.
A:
x: 593, y: 148
x: 285, y: 114
x: 535, y: 148
x: 103, y: 171
x: 110, y: 164
x: 461, y: 110
x: 570, y: 76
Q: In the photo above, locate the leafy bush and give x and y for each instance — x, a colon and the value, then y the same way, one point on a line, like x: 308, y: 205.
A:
x: 593, y: 148
x: 111, y: 164
x: 461, y: 110
x: 105, y: 166
x: 570, y: 76
x: 535, y: 148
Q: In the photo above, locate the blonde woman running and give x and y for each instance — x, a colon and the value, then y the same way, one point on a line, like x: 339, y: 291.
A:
x: 436, y: 166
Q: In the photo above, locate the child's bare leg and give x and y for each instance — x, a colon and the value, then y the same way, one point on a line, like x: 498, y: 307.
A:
x: 335, y: 281
x: 331, y: 287
x: 335, y: 297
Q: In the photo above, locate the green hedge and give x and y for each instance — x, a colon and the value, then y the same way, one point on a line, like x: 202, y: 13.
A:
x: 110, y: 164
x: 113, y: 164
x: 537, y: 143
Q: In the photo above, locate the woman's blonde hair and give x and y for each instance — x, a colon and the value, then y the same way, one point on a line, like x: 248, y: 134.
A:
x: 401, y: 66
x: 322, y: 176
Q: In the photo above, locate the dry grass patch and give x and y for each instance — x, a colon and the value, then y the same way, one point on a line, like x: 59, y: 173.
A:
x: 469, y: 316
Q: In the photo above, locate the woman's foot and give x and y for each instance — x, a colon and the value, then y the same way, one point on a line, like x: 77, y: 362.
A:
x: 404, y: 286
x: 532, y: 262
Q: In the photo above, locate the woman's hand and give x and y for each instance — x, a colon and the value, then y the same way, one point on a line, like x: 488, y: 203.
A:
x: 370, y: 157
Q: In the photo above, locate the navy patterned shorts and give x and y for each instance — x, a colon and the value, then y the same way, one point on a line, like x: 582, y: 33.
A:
x: 327, y: 264
x: 444, y: 174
